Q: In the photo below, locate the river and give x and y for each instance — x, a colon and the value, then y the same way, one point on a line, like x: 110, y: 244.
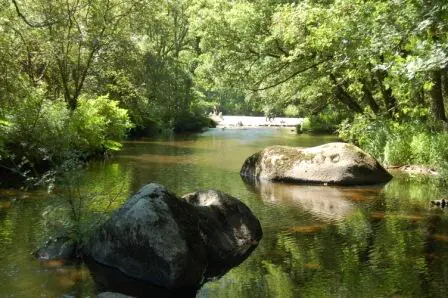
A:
x: 319, y: 241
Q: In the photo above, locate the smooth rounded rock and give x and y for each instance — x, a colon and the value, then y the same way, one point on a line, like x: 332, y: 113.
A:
x: 176, y: 243
x: 148, y: 238
x: 332, y: 163
x: 228, y: 228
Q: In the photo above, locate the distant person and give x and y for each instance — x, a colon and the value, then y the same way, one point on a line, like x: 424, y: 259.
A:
x: 270, y: 117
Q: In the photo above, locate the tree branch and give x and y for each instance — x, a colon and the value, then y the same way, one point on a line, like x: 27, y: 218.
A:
x: 32, y: 25
x: 292, y: 75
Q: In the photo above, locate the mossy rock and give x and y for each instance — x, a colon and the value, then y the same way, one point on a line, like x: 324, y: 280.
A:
x: 333, y: 163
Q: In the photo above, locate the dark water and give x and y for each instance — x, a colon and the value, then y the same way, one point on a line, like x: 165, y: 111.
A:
x: 379, y: 241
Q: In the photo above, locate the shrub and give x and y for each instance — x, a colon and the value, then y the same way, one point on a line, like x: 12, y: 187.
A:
x: 326, y: 121
x: 99, y: 125
x: 398, y: 143
x: 191, y: 122
x: 291, y: 111
x: 43, y: 133
x: 84, y: 200
x: 37, y: 128
x: 422, y: 151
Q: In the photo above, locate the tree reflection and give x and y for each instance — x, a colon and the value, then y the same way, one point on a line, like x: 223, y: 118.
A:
x: 385, y: 243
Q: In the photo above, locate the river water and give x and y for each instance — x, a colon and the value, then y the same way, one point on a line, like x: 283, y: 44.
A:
x: 319, y: 241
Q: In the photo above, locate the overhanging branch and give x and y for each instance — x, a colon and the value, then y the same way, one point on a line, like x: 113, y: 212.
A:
x: 33, y: 25
x: 292, y: 75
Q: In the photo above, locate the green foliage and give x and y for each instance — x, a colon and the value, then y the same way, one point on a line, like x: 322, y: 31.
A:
x: 327, y: 121
x: 82, y: 200
x: 190, y: 122
x: 367, y: 134
x: 38, y: 128
x: 40, y: 132
x: 398, y: 143
x: 99, y: 124
x: 168, y: 63
x: 291, y: 111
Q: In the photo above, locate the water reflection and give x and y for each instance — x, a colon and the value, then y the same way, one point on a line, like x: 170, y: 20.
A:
x: 108, y: 279
x: 328, y: 203
x: 380, y: 241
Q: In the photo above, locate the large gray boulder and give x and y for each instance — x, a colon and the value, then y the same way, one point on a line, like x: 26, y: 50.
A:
x: 169, y: 241
x: 147, y: 239
x: 228, y: 229
x: 332, y: 163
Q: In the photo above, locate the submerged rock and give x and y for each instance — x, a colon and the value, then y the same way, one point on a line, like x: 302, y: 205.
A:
x: 176, y: 243
x: 332, y: 163
x: 61, y: 248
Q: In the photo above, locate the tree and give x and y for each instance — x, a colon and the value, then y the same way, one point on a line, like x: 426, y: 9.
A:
x: 69, y: 37
x: 375, y: 56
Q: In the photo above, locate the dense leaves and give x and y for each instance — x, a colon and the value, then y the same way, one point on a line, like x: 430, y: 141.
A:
x: 168, y: 63
x: 386, y: 57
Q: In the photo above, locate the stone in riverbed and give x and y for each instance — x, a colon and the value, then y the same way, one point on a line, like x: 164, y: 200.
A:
x: 147, y: 238
x: 173, y: 242
x: 229, y: 230
x: 332, y: 163
x: 61, y: 248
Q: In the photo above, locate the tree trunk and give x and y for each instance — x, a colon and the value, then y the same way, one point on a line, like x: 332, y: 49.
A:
x: 445, y: 81
x: 420, y: 96
x: 344, y: 97
x: 368, y: 97
x: 437, y: 104
x: 389, y: 100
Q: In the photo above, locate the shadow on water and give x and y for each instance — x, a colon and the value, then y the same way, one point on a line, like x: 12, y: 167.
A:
x: 108, y: 279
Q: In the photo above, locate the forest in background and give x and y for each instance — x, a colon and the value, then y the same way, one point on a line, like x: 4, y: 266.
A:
x: 77, y: 76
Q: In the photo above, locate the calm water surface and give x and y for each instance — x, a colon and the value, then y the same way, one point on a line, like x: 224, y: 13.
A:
x: 379, y: 241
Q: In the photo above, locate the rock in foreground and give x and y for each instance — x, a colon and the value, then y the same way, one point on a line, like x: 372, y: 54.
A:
x: 332, y: 163
x: 230, y: 232
x: 172, y: 242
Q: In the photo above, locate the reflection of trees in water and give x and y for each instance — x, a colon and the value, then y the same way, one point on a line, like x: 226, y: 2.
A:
x: 387, y: 245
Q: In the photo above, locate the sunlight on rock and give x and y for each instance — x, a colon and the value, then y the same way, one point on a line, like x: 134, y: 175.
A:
x: 385, y: 215
x: 52, y: 263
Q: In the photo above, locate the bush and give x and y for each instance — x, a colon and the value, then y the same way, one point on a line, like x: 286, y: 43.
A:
x: 365, y: 133
x: 43, y: 133
x: 99, y: 125
x: 191, y: 122
x: 398, y: 143
x: 291, y: 111
x: 325, y: 122
x: 37, y: 128
x: 84, y: 200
